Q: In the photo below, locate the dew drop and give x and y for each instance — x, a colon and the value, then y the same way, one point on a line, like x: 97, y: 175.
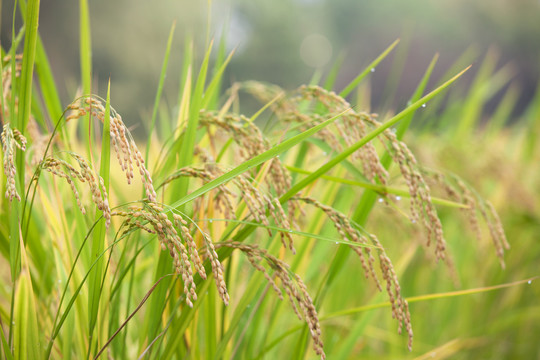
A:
x: 529, y: 282
x: 290, y: 231
x: 423, y: 105
x: 210, y: 220
x: 337, y: 242
x: 325, y: 153
x: 381, y: 200
x: 413, y: 221
x: 372, y: 69
x: 398, y: 198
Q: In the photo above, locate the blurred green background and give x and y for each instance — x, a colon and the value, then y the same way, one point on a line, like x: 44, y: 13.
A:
x: 282, y: 41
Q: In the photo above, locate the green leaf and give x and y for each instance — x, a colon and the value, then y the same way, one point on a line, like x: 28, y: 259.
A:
x: 27, y: 72
x: 99, y: 235
x: 353, y: 84
x: 380, y: 189
x: 27, y: 336
x: 5, y: 347
x: 85, y: 52
x: 159, y: 90
x: 299, y: 233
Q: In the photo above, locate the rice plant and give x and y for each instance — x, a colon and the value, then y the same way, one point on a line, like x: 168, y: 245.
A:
x: 233, y: 238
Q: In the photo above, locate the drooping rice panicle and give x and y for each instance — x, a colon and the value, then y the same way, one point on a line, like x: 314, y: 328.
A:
x: 11, y: 139
x: 126, y: 150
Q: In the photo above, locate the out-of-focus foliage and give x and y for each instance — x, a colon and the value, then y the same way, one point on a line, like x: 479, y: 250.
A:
x: 268, y: 37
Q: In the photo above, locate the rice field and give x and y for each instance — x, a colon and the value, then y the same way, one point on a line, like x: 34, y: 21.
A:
x: 308, y: 228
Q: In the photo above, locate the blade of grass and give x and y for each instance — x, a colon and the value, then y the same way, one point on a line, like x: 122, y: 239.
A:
x: 168, y: 162
x: 486, y: 82
x: 85, y: 56
x: 130, y: 291
x: 212, y: 98
x: 296, y: 232
x: 396, y: 71
x: 429, y: 297
x: 185, y: 77
x: 27, y: 336
x: 354, y: 83
x: 13, y: 218
x: 503, y: 111
x: 27, y: 71
x: 452, y: 348
x: 380, y: 189
x: 333, y: 73
x: 24, y: 109
x: 212, y: 90
x: 5, y: 347
x: 255, y: 286
x: 139, y: 306
x: 159, y: 90
x: 404, y: 125
x: 47, y: 84
x: 187, y: 144
x: 44, y: 74
x: 444, y: 102
x: 210, y: 315
x: 530, y: 145
x: 180, y: 325
x: 99, y: 238
x: 59, y: 321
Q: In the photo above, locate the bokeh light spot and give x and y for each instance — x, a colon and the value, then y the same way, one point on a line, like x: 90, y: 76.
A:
x: 316, y: 50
